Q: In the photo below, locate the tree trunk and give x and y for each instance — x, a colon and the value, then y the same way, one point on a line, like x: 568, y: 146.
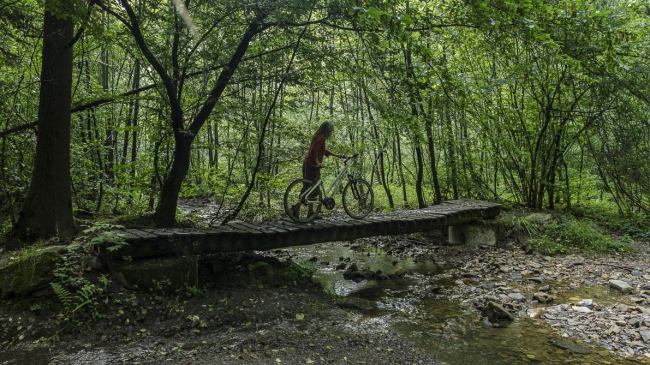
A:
x: 47, y: 211
x: 451, y: 152
x: 400, y: 169
x: 166, y: 209
x: 432, y: 162
x: 136, y: 115
x: 420, y: 171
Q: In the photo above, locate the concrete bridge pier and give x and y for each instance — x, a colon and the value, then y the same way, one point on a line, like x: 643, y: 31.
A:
x: 167, y: 275
x: 480, y: 233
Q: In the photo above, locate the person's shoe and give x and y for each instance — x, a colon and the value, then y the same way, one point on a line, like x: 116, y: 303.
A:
x: 295, y: 210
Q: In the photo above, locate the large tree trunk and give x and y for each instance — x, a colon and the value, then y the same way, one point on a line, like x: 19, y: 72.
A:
x: 48, y: 207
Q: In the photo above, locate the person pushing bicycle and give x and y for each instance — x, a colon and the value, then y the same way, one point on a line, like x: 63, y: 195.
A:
x: 313, y: 162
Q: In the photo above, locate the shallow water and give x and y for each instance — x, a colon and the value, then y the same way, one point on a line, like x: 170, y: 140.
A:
x: 441, y: 326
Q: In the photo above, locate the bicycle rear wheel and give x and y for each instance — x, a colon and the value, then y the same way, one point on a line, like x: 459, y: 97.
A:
x: 298, y: 209
x: 358, y: 198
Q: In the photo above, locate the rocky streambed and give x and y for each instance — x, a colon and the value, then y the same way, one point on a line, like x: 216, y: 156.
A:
x: 601, y: 300
x: 591, y: 308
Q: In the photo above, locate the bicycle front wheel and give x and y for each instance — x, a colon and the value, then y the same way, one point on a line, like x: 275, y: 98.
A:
x: 302, y: 210
x: 358, y: 198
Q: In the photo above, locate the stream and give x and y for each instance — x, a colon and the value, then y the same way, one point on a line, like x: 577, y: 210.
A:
x: 452, y: 331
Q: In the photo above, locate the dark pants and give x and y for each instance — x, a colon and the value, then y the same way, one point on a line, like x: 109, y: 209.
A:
x: 311, y: 173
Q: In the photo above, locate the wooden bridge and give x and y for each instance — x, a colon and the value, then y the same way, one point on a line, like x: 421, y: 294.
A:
x: 242, y: 236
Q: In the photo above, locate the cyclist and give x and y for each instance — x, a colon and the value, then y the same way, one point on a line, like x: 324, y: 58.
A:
x: 313, y: 162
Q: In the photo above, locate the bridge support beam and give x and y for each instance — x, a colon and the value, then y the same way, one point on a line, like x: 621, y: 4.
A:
x: 482, y: 233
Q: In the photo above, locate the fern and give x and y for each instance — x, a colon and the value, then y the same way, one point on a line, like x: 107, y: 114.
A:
x: 64, y: 295
x: 86, y: 296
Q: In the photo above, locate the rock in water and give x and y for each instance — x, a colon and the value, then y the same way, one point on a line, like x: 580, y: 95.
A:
x: 568, y: 345
x: 496, y: 314
x: 543, y: 297
x: 363, y: 305
x: 620, y: 285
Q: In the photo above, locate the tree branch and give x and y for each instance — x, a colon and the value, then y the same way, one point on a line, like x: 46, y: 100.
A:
x: 226, y: 74
x: 100, y: 102
x: 176, y: 111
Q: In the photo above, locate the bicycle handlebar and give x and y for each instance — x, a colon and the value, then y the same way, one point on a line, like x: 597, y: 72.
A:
x: 346, y: 159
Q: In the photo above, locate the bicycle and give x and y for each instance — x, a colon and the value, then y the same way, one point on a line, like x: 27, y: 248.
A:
x: 358, y: 198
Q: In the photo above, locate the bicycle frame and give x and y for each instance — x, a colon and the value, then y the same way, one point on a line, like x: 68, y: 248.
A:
x: 338, y: 181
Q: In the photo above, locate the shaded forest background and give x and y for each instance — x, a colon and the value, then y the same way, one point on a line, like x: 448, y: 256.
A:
x: 121, y: 107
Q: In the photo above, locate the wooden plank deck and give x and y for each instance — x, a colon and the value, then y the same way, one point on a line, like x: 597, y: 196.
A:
x: 242, y: 236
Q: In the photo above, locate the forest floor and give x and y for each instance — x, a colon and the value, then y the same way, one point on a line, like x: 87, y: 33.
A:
x: 239, y: 317
x: 249, y: 311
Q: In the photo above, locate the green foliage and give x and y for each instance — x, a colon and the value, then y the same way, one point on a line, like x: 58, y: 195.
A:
x: 607, y: 215
x: 521, y: 225
x: 86, y: 296
x: 101, y: 234
x: 567, y: 234
x: 529, y: 102
x: 77, y: 292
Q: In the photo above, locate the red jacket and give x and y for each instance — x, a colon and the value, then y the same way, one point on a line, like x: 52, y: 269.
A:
x: 317, y: 151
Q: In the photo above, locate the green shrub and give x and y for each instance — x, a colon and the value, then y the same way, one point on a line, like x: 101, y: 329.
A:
x: 555, y: 234
x: 570, y: 234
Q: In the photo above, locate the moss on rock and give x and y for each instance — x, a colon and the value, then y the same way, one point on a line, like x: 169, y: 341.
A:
x: 33, y: 271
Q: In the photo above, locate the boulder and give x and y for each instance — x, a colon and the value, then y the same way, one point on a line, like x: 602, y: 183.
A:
x: 496, y: 314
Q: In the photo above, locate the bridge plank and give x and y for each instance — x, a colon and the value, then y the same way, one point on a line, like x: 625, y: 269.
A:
x: 126, y: 236
x: 222, y: 228
x: 243, y: 229
x: 255, y: 227
x: 277, y: 229
x: 324, y: 223
x: 142, y: 234
x: 161, y: 232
